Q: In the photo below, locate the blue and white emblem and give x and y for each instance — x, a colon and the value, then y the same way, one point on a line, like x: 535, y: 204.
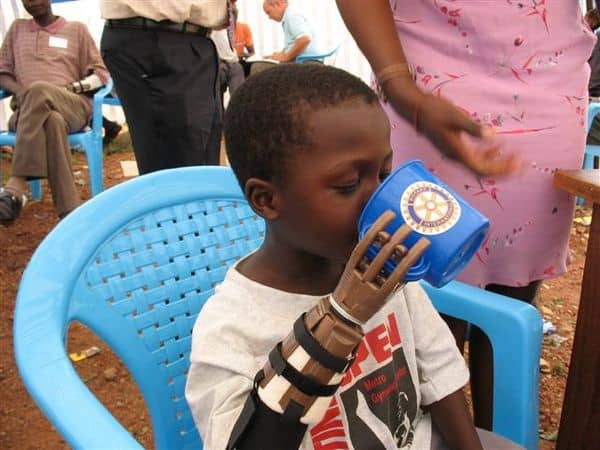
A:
x: 429, y: 209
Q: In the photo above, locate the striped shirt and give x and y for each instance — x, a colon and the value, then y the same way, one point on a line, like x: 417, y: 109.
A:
x: 61, y: 53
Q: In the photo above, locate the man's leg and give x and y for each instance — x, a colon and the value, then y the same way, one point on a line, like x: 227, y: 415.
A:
x: 593, y: 136
x: 46, y: 114
x: 60, y: 176
x: 260, y: 66
x: 235, y: 73
x: 111, y: 130
x: 169, y: 89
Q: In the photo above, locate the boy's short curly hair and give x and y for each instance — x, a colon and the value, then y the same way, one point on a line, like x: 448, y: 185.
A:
x: 266, y: 119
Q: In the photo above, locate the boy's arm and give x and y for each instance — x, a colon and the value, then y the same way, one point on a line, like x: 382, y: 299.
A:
x: 452, y: 418
x: 304, y: 371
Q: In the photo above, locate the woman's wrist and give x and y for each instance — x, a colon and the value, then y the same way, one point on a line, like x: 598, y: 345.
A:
x: 405, y: 96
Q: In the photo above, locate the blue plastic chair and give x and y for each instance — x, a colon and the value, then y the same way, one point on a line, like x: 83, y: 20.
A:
x: 591, y: 151
x: 142, y: 274
x: 90, y: 139
x: 317, y: 56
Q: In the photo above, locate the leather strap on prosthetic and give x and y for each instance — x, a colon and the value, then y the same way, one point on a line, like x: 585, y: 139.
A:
x: 304, y: 371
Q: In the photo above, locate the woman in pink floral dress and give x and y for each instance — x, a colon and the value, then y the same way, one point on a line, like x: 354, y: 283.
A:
x: 517, y: 67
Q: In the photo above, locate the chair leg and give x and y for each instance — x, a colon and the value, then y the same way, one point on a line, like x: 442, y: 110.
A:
x: 588, y: 163
x: 94, y: 160
x: 36, y: 189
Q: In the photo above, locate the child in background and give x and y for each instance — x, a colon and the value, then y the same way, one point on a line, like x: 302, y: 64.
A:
x: 294, y: 350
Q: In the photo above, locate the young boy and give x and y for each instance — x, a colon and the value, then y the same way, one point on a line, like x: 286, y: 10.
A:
x: 294, y: 350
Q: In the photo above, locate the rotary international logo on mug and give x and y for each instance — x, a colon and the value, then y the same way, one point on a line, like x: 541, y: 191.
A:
x: 428, y: 208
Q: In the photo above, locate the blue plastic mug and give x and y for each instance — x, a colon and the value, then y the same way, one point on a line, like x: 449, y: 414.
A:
x: 432, y: 210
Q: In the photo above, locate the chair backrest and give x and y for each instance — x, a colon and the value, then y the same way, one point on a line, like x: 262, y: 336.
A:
x: 154, y: 249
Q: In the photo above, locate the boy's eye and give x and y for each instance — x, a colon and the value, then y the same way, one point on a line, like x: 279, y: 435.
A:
x: 347, y: 188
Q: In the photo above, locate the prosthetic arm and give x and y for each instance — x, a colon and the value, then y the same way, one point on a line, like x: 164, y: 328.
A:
x: 303, y: 372
x: 88, y: 83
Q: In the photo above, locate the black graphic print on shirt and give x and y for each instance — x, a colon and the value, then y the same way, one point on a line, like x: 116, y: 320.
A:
x: 377, y: 403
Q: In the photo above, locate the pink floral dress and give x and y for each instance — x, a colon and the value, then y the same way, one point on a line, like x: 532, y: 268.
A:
x: 520, y: 67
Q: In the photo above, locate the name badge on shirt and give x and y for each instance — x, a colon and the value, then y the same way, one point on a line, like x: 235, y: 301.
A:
x: 57, y: 42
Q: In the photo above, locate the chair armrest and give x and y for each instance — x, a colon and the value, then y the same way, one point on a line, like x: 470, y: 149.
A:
x: 50, y: 378
x: 97, y: 106
x: 316, y: 56
x: 515, y: 331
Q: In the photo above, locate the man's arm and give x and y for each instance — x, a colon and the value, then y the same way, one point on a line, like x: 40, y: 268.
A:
x: 8, y: 83
x: 452, y: 418
x: 90, y: 59
x: 299, y: 46
x: 248, y: 52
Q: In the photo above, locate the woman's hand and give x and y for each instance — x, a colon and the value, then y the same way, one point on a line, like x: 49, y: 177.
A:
x: 444, y: 125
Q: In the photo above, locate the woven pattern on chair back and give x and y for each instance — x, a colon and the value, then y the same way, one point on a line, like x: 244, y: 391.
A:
x: 155, y: 275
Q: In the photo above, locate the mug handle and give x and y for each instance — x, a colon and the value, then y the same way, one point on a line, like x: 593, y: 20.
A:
x: 418, y: 270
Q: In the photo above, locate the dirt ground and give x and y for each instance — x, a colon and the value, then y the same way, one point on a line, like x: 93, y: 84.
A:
x: 23, y: 426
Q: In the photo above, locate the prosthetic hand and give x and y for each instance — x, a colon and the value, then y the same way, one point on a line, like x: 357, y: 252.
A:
x: 89, y: 83
x: 304, y: 371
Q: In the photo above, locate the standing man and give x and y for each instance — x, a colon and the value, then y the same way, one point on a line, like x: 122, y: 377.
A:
x: 243, y: 43
x: 166, y: 71
x: 47, y: 63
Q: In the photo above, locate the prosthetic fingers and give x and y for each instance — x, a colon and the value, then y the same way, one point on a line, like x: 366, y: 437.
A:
x: 304, y: 371
x: 89, y: 83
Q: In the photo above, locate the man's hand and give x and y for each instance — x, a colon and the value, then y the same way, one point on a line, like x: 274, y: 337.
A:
x: 17, y: 99
x: 363, y: 288
x: 278, y: 56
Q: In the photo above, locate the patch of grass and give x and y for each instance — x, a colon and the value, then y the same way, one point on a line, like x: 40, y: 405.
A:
x: 558, y: 370
x: 557, y: 301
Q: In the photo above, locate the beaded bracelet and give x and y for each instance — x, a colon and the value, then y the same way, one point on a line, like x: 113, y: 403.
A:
x: 389, y: 72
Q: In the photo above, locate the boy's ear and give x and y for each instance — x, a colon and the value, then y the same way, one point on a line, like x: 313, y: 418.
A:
x: 263, y: 198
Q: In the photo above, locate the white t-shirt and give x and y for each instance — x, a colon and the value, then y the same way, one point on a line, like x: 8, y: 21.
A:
x: 407, y: 358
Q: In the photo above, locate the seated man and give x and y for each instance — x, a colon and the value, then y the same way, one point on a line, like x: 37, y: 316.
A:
x: 243, y: 43
x: 46, y: 63
x: 298, y: 34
